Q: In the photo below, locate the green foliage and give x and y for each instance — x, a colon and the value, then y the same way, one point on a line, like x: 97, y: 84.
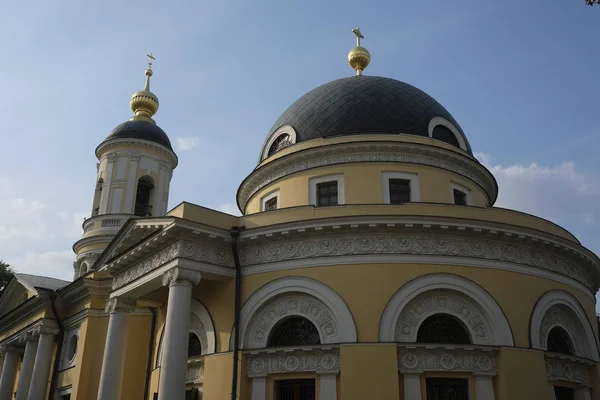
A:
x: 592, y: 2
x: 6, y: 272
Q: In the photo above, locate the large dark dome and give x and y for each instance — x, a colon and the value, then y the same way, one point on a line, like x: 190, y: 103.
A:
x: 362, y: 105
x: 141, y: 130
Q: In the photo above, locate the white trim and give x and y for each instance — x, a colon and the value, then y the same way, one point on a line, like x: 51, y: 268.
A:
x: 498, y: 328
x: 201, y: 312
x: 312, y: 187
x: 566, y: 303
x: 67, y: 362
x: 274, y: 193
x: 63, y: 391
x: 443, y: 121
x: 461, y: 188
x: 415, y: 191
x: 298, y: 285
x: 286, y: 129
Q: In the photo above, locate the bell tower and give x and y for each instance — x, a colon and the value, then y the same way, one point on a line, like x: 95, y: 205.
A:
x: 136, y: 163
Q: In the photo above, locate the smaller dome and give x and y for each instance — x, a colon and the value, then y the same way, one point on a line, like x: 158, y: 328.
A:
x: 140, y: 129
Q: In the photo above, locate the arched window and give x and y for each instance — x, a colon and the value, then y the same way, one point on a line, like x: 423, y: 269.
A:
x: 443, y: 328
x: 443, y: 133
x: 194, y: 345
x: 143, y: 197
x: 282, y: 141
x: 293, y: 331
x: 559, y: 341
x: 97, y: 195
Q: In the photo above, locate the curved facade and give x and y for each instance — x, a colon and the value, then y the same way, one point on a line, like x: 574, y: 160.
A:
x: 369, y: 263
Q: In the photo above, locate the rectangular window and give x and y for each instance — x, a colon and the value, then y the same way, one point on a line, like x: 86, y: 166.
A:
x: 295, y: 389
x: 192, y: 394
x: 271, y: 204
x: 327, y: 193
x: 564, y: 393
x: 442, y: 389
x: 399, y: 191
x: 460, y: 197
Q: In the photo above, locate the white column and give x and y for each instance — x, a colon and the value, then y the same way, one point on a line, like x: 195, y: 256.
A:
x: 43, y: 359
x: 551, y: 394
x: 484, y: 387
x: 9, y: 372
x: 31, y: 345
x: 412, y: 386
x: 259, y: 388
x: 106, y: 187
x: 583, y: 393
x: 113, y: 362
x: 174, y: 348
x: 327, y: 387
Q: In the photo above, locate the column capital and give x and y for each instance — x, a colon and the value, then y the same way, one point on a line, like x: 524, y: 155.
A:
x: 181, y: 276
x: 44, y: 329
x: 24, y: 337
x: 119, y: 304
x: 6, y: 348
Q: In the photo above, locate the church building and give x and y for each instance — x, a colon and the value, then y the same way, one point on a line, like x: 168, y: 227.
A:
x: 369, y: 262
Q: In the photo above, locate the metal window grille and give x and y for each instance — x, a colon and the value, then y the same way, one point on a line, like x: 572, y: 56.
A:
x: 559, y: 341
x: 399, y: 191
x: 280, y: 143
x: 447, y: 389
x: 294, y: 331
x: 441, y: 132
x: 564, y: 393
x: 442, y: 328
x: 194, y: 345
x: 327, y: 193
x: 295, y: 389
x: 460, y: 197
x: 271, y: 204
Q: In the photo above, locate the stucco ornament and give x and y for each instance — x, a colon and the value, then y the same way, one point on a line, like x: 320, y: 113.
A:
x: 559, y: 317
x: 472, y: 360
x: 290, y: 304
x: 119, y: 304
x: 195, y: 372
x: 181, y: 276
x: 560, y: 369
x: 321, y: 360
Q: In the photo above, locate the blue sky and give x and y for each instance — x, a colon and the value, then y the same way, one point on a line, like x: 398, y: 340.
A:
x: 521, y: 78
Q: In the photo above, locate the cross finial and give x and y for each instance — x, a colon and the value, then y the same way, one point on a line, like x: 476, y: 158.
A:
x: 151, y: 57
x: 358, y: 36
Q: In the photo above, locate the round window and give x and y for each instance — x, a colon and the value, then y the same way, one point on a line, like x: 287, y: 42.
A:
x: 72, y: 348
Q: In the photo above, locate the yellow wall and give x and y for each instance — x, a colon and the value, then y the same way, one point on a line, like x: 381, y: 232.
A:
x: 366, y: 289
x: 217, y: 376
x: 218, y: 298
x: 136, y: 358
x: 363, y: 184
x: 369, y: 371
x: 88, y: 364
x: 521, y: 375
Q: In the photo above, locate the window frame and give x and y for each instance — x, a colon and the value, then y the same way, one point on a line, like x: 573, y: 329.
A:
x: 465, y: 190
x: 67, y: 362
x: 267, y: 197
x: 312, y: 190
x: 415, y: 190
x: 443, y: 121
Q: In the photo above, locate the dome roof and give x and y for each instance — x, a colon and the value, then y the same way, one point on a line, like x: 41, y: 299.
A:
x: 362, y: 105
x: 136, y: 129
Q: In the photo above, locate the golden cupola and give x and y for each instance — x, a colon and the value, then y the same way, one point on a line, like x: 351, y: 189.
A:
x: 359, y: 57
x: 145, y: 103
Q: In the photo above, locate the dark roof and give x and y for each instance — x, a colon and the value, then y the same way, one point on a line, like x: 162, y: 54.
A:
x: 141, y: 130
x: 363, y: 105
x: 44, y: 282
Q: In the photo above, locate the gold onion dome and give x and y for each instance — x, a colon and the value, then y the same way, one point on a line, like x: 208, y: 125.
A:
x: 359, y: 57
x: 145, y: 103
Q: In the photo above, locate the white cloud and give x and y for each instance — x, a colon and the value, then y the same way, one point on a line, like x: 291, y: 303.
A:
x: 229, y: 208
x: 187, y: 143
x: 57, y: 264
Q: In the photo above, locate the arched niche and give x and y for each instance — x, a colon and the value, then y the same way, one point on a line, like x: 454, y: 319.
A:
x: 449, y: 294
x: 558, y: 308
x: 295, y: 296
x: 201, y: 326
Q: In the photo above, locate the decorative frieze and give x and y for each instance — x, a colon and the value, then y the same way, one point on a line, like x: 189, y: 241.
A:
x: 180, y: 276
x: 119, y: 304
x: 320, y: 360
x: 195, y: 371
x: 556, y: 316
x: 415, y: 360
x: 183, y: 248
x: 412, y: 244
x: 568, y: 369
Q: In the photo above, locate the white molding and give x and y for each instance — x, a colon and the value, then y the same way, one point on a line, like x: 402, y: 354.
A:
x: 274, y: 193
x: 319, y: 359
x: 559, y: 308
x: 286, y: 129
x: 498, y: 330
x: 465, y: 190
x: 65, y: 362
x: 443, y: 121
x: 477, y: 360
x: 415, y: 190
x: 332, y: 309
x: 312, y: 188
x: 560, y: 367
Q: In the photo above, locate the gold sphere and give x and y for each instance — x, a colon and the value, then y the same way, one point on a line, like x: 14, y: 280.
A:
x: 144, y: 103
x: 359, y: 58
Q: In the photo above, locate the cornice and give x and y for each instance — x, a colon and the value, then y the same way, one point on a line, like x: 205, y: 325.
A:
x: 24, y: 312
x: 457, y: 240
x: 84, y: 289
x: 115, y: 143
x: 416, y: 359
x: 359, y: 152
